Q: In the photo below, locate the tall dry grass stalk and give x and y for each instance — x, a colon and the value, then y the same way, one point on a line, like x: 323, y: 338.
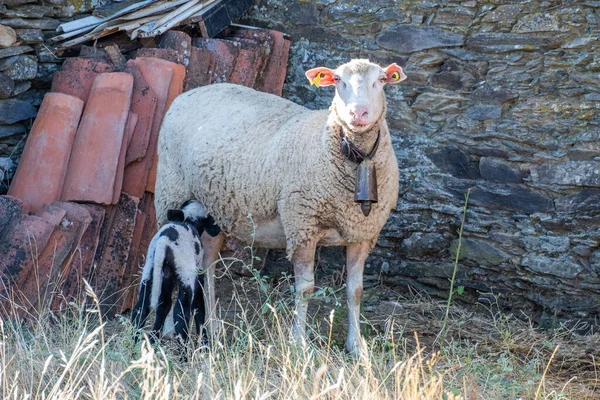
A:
x: 77, y: 355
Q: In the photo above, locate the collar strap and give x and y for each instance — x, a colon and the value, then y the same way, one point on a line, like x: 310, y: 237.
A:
x: 352, y: 153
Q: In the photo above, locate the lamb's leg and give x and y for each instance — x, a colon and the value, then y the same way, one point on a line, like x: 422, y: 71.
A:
x: 142, y: 307
x: 356, y: 254
x: 212, y: 247
x: 200, y: 310
x: 182, y: 312
x: 164, y: 302
x: 304, y: 262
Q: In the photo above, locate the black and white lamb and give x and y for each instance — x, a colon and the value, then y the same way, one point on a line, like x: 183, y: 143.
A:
x: 175, y: 256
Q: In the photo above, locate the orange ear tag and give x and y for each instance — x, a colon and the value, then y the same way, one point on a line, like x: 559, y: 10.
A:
x: 317, y: 79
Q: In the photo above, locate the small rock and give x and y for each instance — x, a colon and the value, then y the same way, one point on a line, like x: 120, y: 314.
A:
x: 562, y: 267
x: 14, y: 110
x: 46, y: 71
x: 410, y: 38
x: 504, y: 14
x: 14, y: 51
x: 13, y: 3
x: 455, y: 162
x: 8, y: 36
x: 487, y: 94
x: 10, y: 130
x: 577, y: 173
x: 21, y: 87
x: 454, y: 16
x: 45, y: 54
x: 437, y: 103
x: 499, y: 171
x: 6, y: 86
x: 586, y: 202
x: 538, y: 23
x: 30, y: 36
x: 482, y: 113
x: 28, y: 11
x: 48, y: 24
x: 7, y: 62
x: 546, y: 244
x: 479, y: 251
x: 33, y: 97
x: 510, y: 42
x: 303, y: 13
x: 6, y: 164
x: 24, y: 69
x: 451, y: 80
x: 419, y: 244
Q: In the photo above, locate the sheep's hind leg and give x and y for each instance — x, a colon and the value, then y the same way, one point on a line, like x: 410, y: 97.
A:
x: 212, y: 247
x: 165, y: 301
x: 304, y: 262
x: 142, y: 308
x: 356, y: 254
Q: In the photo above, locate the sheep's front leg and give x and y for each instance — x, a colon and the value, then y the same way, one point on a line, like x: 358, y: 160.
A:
x: 356, y: 254
x: 212, y: 247
x: 304, y: 263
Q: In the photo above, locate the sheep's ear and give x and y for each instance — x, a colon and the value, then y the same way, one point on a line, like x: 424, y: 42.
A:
x: 175, y: 215
x: 394, y: 74
x: 320, y: 76
x: 209, y: 226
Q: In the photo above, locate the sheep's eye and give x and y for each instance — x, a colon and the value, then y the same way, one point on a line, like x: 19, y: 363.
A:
x: 382, y: 79
x: 336, y: 78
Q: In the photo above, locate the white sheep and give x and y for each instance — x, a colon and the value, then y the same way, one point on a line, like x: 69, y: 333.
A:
x: 175, y: 257
x: 243, y: 152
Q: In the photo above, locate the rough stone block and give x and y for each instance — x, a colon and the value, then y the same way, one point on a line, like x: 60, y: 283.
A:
x: 199, y: 70
x: 576, y: 173
x: 14, y: 110
x: 23, y: 69
x: 500, y: 171
x: 411, y: 38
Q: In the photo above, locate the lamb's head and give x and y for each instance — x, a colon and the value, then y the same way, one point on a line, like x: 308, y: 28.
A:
x: 194, y: 213
x: 359, y: 98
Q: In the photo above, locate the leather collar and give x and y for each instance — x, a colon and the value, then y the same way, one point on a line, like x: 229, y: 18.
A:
x: 352, y: 153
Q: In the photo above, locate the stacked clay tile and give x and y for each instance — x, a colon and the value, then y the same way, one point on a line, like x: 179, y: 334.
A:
x: 81, y: 205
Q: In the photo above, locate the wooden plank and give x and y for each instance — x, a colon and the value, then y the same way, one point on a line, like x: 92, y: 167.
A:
x: 94, y: 21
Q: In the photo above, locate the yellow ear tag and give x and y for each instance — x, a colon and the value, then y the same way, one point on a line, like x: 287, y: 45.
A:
x: 317, y: 80
x: 395, y: 76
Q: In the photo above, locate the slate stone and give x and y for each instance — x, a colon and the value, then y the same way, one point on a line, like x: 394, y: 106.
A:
x: 454, y: 16
x: 562, y: 267
x: 7, y: 85
x: 15, y: 50
x: 448, y: 80
x: 585, y: 202
x: 303, y: 13
x: 508, y: 42
x: 437, y: 103
x: 7, y: 62
x: 23, y: 69
x: 45, y: 54
x: 410, y: 38
x: 484, y: 112
x: 419, y: 245
x: 27, y: 11
x: 576, y: 173
x: 14, y: 3
x: 45, y: 72
x: 48, y: 24
x: 479, y: 251
x: 30, y: 36
x: 10, y: 130
x: 538, y: 23
x: 13, y: 110
x: 456, y: 162
x: 32, y: 96
x: 499, y: 171
x: 21, y: 87
x: 487, y: 94
x: 504, y: 14
x: 546, y: 244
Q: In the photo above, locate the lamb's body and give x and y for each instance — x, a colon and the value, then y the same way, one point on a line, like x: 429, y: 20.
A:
x: 243, y: 152
x: 256, y: 153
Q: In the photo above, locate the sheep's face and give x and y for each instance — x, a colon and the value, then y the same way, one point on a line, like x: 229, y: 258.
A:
x: 359, y: 99
x: 194, y: 213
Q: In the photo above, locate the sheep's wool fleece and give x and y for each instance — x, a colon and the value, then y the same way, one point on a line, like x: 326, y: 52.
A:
x: 241, y: 152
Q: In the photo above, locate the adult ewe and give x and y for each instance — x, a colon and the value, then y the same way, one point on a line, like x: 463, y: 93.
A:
x: 294, y: 170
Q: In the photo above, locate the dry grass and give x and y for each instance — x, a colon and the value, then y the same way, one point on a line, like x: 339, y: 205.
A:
x: 76, y: 355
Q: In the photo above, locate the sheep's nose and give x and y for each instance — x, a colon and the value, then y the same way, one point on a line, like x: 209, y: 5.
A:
x: 359, y: 114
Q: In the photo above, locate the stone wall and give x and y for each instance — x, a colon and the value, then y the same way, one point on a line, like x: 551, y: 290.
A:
x: 502, y: 97
x: 26, y: 68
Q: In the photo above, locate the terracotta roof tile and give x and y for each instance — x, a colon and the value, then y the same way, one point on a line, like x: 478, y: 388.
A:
x: 129, y: 130
x: 164, y: 54
x: 73, y: 288
x: 226, y: 53
x: 77, y: 76
x: 97, y: 146
x: 275, y: 71
x: 41, y: 172
x: 178, y: 41
x: 143, y: 103
x: 200, y: 69
x: 113, y: 251
x: 10, y: 212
